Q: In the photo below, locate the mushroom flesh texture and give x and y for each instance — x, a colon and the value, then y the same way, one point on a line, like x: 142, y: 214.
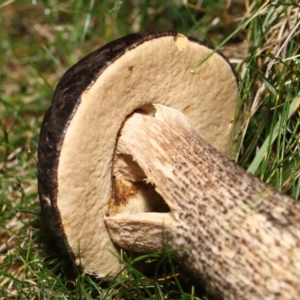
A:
x: 239, y: 235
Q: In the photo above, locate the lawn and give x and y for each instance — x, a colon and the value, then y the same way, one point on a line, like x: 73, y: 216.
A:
x: 40, y: 40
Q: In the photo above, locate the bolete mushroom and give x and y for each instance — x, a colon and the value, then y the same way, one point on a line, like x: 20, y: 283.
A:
x: 119, y: 160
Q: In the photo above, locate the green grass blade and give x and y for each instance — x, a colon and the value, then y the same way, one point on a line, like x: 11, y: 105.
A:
x: 271, y: 138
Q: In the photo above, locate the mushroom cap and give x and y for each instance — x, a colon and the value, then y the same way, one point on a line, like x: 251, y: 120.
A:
x: 90, y: 103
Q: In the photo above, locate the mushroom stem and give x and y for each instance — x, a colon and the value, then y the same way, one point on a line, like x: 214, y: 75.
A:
x: 237, y: 235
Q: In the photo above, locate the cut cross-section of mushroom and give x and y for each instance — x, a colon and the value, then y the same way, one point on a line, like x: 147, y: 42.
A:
x: 235, y: 234
x: 80, y: 129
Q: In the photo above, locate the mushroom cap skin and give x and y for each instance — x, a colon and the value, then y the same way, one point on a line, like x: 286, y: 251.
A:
x: 90, y: 103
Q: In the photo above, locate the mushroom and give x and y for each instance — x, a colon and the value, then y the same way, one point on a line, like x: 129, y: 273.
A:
x: 122, y: 163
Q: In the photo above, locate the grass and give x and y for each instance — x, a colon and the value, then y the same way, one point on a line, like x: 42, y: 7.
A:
x: 42, y: 39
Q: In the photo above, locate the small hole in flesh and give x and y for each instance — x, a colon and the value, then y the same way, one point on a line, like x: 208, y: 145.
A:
x: 147, y: 109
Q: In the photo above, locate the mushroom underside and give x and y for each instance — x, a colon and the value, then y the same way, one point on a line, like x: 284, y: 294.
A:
x: 80, y: 173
